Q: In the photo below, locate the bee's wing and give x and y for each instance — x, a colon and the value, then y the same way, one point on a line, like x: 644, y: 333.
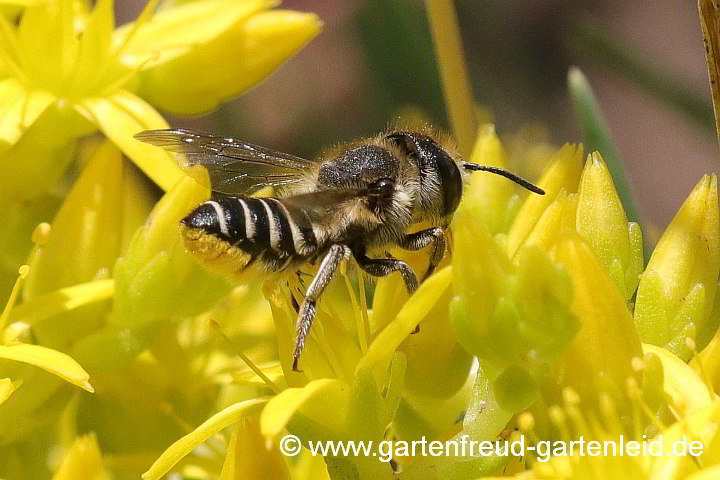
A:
x: 235, y: 167
x: 324, y: 199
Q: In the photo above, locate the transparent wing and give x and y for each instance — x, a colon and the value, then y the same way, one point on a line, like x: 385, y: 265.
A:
x: 235, y: 167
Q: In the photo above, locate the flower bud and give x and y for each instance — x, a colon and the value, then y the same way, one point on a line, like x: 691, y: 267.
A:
x: 600, y: 356
x: 232, y: 61
x: 157, y: 278
x: 677, y: 291
x: 563, y: 172
x: 602, y: 223
x: 490, y: 198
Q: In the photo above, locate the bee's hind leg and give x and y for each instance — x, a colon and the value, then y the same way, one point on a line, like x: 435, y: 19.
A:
x: 423, y: 238
x: 306, y: 313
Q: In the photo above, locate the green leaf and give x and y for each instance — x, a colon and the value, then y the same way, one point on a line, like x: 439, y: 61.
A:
x: 597, y: 136
x: 601, y: 45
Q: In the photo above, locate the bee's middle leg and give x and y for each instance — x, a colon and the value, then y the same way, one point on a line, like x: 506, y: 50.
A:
x: 380, y: 267
x: 306, y: 313
x: 423, y: 238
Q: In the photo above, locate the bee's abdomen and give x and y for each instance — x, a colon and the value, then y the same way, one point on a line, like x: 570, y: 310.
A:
x: 233, y: 233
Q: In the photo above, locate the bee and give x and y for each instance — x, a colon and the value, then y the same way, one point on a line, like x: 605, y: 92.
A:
x: 353, y: 203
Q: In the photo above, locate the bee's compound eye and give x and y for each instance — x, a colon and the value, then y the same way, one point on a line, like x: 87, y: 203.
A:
x: 382, y: 187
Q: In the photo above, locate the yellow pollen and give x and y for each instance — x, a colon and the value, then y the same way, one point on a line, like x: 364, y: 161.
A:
x: 632, y: 388
x: 557, y: 416
x: 41, y: 234
x: 570, y: 396
x: 526, y: 421
x: 637, y: 364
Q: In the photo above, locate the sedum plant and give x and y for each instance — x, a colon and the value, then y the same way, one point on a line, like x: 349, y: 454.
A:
x: 120, y: 356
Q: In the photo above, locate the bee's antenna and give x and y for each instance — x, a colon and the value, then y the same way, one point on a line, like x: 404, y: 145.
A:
x: 501, y: 171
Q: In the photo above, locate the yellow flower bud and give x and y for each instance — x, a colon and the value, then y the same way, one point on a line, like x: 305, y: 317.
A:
x: 677, y: 291
x: 101, y: 212
x: 157, y: 278
x: 508, y: 314
x: 557, y: 217
x: 602, y: 223
x: 563, y: 172
x: 227, y: 65
x: 600, y: 356
x: 490, y: 198
x: 83, y: 460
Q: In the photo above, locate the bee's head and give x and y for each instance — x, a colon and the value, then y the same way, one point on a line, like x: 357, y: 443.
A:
x: 441, y: 179
x: 442, y: 174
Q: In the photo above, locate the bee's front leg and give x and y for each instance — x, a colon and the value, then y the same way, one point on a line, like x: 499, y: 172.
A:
x: 306, y: 313
x: 423, y: 238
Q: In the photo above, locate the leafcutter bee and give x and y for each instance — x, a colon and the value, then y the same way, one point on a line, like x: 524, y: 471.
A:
x: 354, y: 202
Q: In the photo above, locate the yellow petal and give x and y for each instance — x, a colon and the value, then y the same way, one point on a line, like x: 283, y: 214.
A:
x: 121, y: 116
x: 562, y: 173
x: 50, y: 360
x: 19, y: 108
x: 197, y: 81
x: 415, y: 310
x: 40, y: 155
x: 710, y: 473
x: 83, y: 461
x: 681, y: 382
x: 84, y: 237
x: 700, y: 425
x: 7, y: 387
x: 325, y: 399
x: 209, y: 427
x: 556, y: 218
x: 175, y: 31
x: 437, y: 365
x: 61, y: 300
x: 84, y: 242
x: 248, y: 458
x: 157, y: 278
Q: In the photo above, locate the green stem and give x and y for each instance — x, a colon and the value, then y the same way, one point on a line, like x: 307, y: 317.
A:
x: 453, y: 72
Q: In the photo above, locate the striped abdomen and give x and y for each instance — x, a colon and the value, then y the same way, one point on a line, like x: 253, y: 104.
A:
x: 238, y: 234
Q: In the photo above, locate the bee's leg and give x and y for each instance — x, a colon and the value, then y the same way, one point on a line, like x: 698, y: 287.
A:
x: 380, y: 267
x: 423, y: 238
x: 306, y: 315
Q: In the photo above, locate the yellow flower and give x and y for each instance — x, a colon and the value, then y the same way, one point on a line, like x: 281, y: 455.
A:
x: 698, y: 411
x: 349, y: 388
x: 67, y: 72
x: 677, y: 291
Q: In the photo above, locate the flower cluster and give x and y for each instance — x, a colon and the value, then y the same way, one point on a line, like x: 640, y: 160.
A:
x: 542, y: 319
